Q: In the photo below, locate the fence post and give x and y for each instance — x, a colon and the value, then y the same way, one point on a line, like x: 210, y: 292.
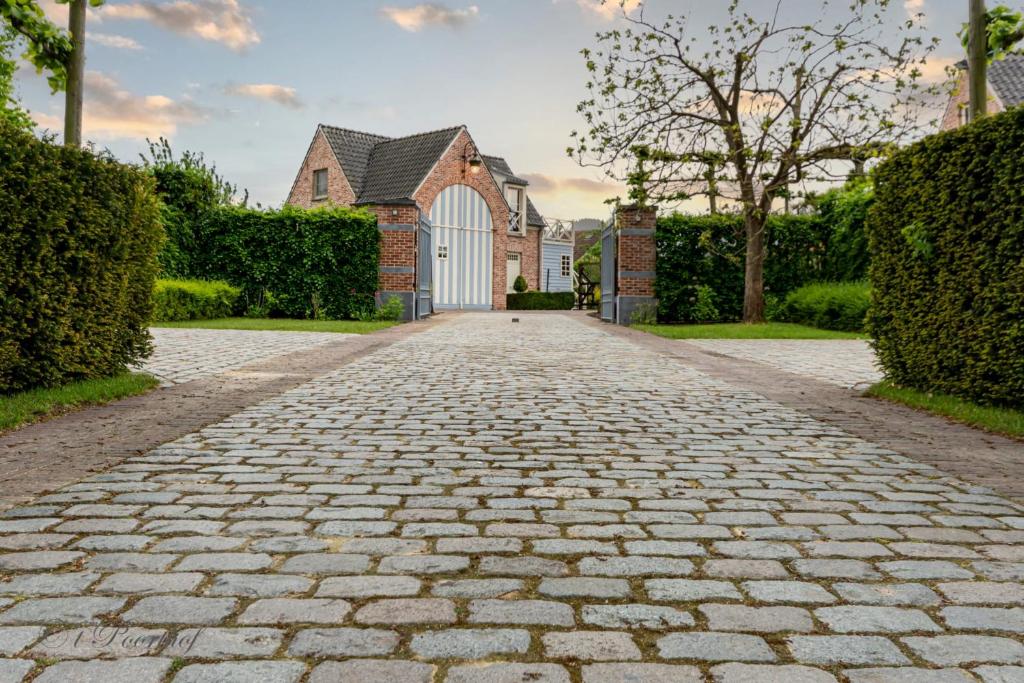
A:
x: 637, y: 261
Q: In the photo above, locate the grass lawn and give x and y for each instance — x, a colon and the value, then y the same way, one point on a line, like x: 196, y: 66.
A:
x: 283, y: 325
x: 999, y: 420
x: 744, y: 331
x: 19, y: 409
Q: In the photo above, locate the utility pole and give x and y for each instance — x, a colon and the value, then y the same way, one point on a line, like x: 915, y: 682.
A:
x: 76, y: 74
x: 977, y: 60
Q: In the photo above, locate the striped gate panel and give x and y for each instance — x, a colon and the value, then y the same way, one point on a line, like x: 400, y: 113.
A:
x: 463, y: 242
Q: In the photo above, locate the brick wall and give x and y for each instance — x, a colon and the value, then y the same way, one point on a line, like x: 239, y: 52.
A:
x: 959, y: 100
x: 397, y: 245
x: 529, y: 263
x: 320, y: 156
x: 637, y: 251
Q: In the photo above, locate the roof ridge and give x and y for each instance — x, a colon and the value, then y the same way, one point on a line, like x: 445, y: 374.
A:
x: 424, y: 133
x: 357, y: 132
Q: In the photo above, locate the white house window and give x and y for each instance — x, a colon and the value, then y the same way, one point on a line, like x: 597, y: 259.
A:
x: 442, y: 252
x: 963, y: 115
x: 566, y: 265
x: 516, y: 197
x: 320, y: 184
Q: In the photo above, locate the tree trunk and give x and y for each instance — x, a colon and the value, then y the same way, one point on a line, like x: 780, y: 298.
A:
x: 977, y: 60
x: 753, y: 280
x: 76, y: 73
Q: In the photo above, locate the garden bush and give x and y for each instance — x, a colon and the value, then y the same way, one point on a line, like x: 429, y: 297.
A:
x: 540, y: 301
x: 946, y: 235
x: 700, y: 252
x: 78, y: 244
x: 843, y: 212
x: 831, y: 306
x: 298, y: 263
x: 193, y: 300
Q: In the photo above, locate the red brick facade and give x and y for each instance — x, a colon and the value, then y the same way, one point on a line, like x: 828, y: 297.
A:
x: 398, y: 247
x: 959, y: 100
x: 320, y: 155
x: 637, y: 252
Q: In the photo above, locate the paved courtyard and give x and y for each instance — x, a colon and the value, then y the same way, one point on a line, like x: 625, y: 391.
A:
x: 182, y: 354
x: 849, y: 363
x: 496, y: 502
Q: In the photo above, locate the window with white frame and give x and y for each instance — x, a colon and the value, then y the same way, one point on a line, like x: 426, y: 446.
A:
x: 320, y: 184
x: 566, y: 265
x: 516, y: 197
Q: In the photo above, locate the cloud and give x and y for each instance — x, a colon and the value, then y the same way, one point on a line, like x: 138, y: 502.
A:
x: 280, y: 94
x: 541, y: 184
x: 608, y: 9
x: 219, y: 21
x: 913, y: 7
x: 414, y: 18
x: 111, y: 112
x: 110, y: 40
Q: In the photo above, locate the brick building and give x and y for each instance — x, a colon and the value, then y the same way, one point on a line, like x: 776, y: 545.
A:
x: 1005, y: 90
x: 457, y: 226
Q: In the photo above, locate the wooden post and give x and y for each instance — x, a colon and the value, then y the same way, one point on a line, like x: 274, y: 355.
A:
x: 76, y: 74
x: 977, y: 60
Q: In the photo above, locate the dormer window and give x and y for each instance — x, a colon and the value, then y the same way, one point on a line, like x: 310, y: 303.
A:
x: 320, y: 184
x: 516, y: 197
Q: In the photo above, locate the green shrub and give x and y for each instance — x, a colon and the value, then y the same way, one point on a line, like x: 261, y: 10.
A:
x: 390, y: 311
x: 193, y: 300
x: 540, y: 301
x: 843, y: 212
x: 520, y: 285
x: 708, y: 251
x: 946, y: 235
x: 78, y: 245
x: 319, y: 263
x: 830, y: 306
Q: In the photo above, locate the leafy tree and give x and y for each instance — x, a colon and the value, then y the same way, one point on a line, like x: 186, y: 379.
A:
x: 189, y: 189
x: 1004, y: 28
x: 10, y: 107
x: 743, y: 110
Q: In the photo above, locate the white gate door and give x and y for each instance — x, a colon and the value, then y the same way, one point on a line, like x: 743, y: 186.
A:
x: 513, y: 270
x: 462, y: 247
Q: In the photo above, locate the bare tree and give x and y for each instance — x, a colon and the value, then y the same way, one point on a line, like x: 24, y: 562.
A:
x: 739, y: 112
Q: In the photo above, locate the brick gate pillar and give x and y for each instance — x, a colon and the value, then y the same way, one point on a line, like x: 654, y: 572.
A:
x: 398, y: 231
x: 636, y: 261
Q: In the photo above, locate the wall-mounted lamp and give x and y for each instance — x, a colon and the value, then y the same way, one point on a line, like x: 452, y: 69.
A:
x: 471, y: 158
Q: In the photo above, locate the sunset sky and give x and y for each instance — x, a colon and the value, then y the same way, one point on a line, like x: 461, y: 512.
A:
x: 246, y: 81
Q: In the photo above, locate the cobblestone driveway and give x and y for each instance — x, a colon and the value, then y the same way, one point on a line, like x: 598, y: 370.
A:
x: 489, y: 502
x: 182, y: 355
x: 847, y: 363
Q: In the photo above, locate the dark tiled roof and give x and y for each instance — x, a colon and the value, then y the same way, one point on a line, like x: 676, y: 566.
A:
x: 533, y: 216
x: 500, y: 166
x: 398, y: 166
x: 1006, y: 77
x: 352, y: 148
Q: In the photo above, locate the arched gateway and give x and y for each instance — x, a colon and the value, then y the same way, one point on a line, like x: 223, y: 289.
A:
x: 462, y: 246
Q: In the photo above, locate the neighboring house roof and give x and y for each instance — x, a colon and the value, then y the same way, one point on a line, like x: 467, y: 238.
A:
x: 1006, y: 78
x: 383, y: 170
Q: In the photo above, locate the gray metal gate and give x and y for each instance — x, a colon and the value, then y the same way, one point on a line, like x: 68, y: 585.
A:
x: 424, y: 270
x: 609, y: 254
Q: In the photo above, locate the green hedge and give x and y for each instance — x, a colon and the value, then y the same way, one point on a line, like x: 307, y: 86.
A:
x: 698, y: 255
x: 946, y: 235
x: 831, y: 306
x: 78, y: 245
x: 193, y: 300
x: 298, y: 263
x: 844, y: 211
x: 540, y: 301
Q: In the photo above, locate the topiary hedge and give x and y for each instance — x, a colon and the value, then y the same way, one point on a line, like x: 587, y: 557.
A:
x: 319, y: 263
x: 946, y: 236
x: 78, y: 244
x: 829, y: 305
x: 700, y: 263
x: 540, y: 301
x: 193, y: 300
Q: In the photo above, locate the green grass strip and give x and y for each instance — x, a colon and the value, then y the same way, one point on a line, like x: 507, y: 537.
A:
x: 999, y: 420
x: 283, y: 325
x: 745, y: 331
x: 22, y: 408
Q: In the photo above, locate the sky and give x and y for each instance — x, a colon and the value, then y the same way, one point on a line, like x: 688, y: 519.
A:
x: 245, y: 82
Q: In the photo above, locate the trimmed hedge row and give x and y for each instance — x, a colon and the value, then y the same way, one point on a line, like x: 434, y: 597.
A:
x: 540, y: 301
x: 946, y: 236
x: 829, y: 305
x: 320, y: 263
x: 79, y: 238
x: 193, y: 300
x: 701, y: 261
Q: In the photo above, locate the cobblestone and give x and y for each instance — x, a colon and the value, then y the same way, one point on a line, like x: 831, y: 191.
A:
x: 466, y: 507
